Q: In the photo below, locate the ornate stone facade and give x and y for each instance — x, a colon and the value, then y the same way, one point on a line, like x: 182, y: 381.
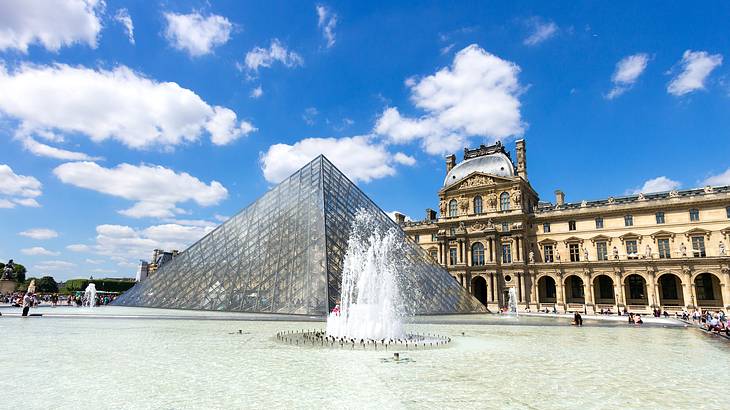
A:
x: 638, y: 252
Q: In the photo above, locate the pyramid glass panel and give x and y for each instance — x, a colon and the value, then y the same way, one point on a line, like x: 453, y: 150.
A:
x: 284, y: 254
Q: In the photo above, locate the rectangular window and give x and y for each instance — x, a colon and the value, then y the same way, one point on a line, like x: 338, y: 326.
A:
x: 602, y: 251
x: 659, y: 217
x: 698, y: 246
x: 452, y: 256
x: 574, y: 249
x: 628, y: 220
x: 664, y: 251
x: 505, y: 226
x: 434, y: 254
x: 417, y: 238
x: 632, y: 250
x: 547, y: 251
x: 434, y: 237
x: 506, y: 253
x: 546, y: 226
x: 571, y: 225
x: 599, y: 223
x: 694, y: 215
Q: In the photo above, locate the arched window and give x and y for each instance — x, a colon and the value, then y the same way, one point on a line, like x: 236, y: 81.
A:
x: 477, y: 254
x: 477, y: 205
x: 504, y: 201
x: 453, y: 211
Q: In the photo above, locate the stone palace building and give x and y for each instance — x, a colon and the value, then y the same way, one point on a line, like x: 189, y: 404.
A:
x: 640, y: 252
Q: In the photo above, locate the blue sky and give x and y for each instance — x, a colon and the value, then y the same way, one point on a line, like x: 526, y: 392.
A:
x: 130, y: 125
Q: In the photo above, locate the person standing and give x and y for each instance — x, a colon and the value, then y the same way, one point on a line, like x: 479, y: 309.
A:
x: 27, y: 302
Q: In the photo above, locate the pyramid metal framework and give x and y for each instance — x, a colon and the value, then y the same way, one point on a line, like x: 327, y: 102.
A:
x: 284, y: 254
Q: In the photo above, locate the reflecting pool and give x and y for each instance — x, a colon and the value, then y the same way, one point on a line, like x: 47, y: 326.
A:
x: 142, y: 358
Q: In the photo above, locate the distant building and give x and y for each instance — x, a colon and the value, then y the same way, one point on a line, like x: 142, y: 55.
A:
x: 159, y: 258
x: 660, y: 250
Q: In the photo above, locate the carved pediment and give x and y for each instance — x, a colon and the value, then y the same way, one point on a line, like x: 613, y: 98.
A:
x: 546, y: 241
x: 476, y: 180
x: 630, y: 236
x: 697, y: 231
x: 600, y: 238
x: 662, y: 234
x: 573, y: 239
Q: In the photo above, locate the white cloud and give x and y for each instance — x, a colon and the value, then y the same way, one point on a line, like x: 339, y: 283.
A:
x: 696, y: 66
x: 404, y: 159
x: 78, y: 100
x: 78, y: 247
x: 310, y: 115
x: 196, y: 34
x: 391, y: 214
x: 156, y: 189
x: 221, y: 218
x: 94, y: 261
x: 45, y: 150
x: 223, y: 128
x: 326, y: 21
x: 719, y: 179
x: 371, y: 161
x: 658, y: 184
x: 261, y: 57
x: 17, y: 189
x: 125, y: 244
x: 125, y: 19
x: 39, y: 233
x: 476, y: 96
x: 541, y: 31
x: 53, y: 266
x: 627, y: 72
x: 38, y: 251
x: 257, y: 92
x: 51, y: 23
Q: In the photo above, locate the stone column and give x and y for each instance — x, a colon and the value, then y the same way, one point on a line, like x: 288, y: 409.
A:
x: 650, y: 294
x: 533, y: 289
x: 588, y: 294
x: 517, y: 249
x: 620, y: 294
x: 491, y: 249
x: 725, y: 286
x: 490, y: 295
x: 560, y: 300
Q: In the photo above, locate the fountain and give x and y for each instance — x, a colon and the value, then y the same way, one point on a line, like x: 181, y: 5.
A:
x: 90, y: 295
x: 512, y: 304
x: 372, y: 303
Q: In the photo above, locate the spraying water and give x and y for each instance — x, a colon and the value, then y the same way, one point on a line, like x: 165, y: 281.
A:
x: 372, y: 303
x: 90, y: 295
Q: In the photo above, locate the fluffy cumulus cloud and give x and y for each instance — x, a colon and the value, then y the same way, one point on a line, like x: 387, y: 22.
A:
x: 265, y: 57
x: 157, y: 190
x: 360, y: 157
x: 39, y: 233
x: 78, y: 247
x: 719, y: 179
x: 695, y: 67
x: 128, y: 244
x: 38, y: 251
x: 196, y: 34
x: 477, y: 96
x: 541, y: 31
x: 52, y: 267
x: 326, y: 21
x: 117, y: 104
x: 627, y: 72
x: 50, y: 23
x: 122, y: 16
x: 658, y: 184
x: 404, y: 159
x: 17, y: 189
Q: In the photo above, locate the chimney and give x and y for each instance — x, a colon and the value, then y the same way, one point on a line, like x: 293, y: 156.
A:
x: 430, y: 215
x: 521, y: 159
x: 400, y: 218
x: 450, y: 162
x: 559, y: 198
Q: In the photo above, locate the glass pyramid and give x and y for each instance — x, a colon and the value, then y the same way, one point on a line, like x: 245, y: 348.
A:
x: 284, y: 254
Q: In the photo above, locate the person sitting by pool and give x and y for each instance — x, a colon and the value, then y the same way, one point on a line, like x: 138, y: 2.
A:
x: 577, y: 319
x: 637, y: 320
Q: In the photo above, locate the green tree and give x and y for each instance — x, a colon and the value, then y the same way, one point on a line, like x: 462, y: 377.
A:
x: 46, y: 284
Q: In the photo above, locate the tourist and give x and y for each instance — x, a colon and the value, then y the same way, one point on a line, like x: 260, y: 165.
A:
x: 27, y: 303
x: 631, y: 318
x: 577, y: 319
x: 638, y: 320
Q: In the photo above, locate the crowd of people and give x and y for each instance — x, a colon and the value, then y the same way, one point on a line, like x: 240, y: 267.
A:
x: 27, y: 300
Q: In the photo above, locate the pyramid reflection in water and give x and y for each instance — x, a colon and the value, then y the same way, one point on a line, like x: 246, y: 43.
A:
x: 284, y: 254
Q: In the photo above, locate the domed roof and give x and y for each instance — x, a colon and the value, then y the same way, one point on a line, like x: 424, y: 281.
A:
x: 497, y: 164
